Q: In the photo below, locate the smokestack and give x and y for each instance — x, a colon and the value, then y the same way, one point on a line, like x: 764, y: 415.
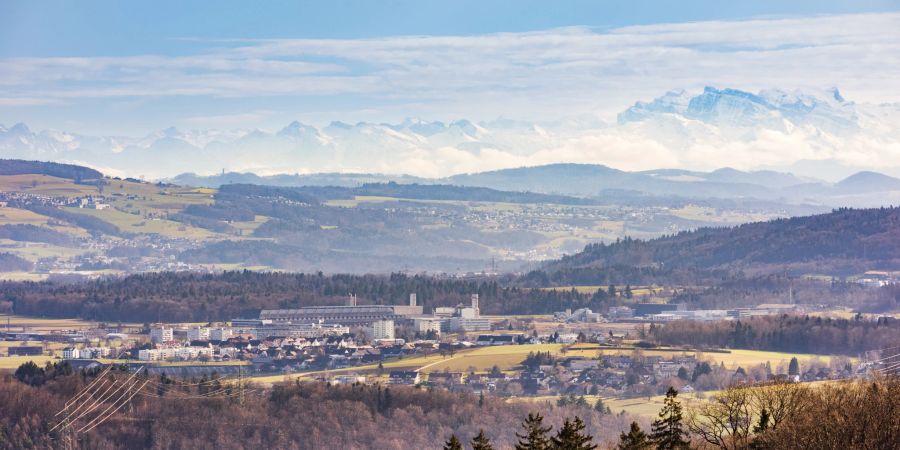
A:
x: 475, y: 303
x: 352, y: 300
x: 412, y: 299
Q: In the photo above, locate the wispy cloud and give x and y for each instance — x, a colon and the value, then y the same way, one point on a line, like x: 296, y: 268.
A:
x: 543, y: 74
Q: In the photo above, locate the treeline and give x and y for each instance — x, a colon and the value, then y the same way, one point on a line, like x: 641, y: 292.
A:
x: 463, y: 193
x: 14, y: 263
x: 33, y: 233
x: 844, y: 240
x: 173, y: 414
x: 342, y: 416
x: 184, y: 296
x: 622, y: 274
x: 90, y: 223
x: 793, y: 334
x: 68, y: 171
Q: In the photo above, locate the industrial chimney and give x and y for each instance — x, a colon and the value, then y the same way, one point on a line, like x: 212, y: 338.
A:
x: 475, y: 304
x: 412, y: 299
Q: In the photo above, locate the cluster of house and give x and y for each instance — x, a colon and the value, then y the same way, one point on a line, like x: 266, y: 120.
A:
x: 89, y: 202
x: 89, y: 352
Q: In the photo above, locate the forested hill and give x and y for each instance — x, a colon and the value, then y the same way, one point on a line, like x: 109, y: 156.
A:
x: 843, y: 241
x: 191, y: 297
x: 67, y: 171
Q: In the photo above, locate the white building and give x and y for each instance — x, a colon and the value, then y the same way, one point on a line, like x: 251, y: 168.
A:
x: 466, y: 324
x: 425, y: 324
x: 161, y: 334
x: 383, y: 329
x: 94, y: 352
x: 71, y: 353
x: 220, y: 334
x: 198, y: 334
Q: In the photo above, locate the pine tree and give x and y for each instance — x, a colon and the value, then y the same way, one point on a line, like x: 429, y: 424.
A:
x: 635, y: 439
x: 572, y: 437
x: 668, y: 433
x: 535, y: 435
x: 763, y: 423
x: 481, y: 442
x: 453, y: 444
x: 794, y: 367
x: 601, y: 408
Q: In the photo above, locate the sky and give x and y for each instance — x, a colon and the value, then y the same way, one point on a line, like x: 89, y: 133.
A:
x: 128, y: 68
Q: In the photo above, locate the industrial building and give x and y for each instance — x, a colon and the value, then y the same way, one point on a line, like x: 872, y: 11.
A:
x: 456, y: 319
x: 351, y: 314
x: 647, y: 309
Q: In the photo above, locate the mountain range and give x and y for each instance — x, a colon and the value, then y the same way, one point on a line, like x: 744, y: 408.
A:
x: 818, y: 134
x: 862, y: 189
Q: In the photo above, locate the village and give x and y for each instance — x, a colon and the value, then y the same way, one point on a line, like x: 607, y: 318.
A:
x: 569, y: 355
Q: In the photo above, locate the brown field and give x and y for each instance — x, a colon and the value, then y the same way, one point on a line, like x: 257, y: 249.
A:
x: 45, y: 185
x: 42, y: 324
x: 13, y: 362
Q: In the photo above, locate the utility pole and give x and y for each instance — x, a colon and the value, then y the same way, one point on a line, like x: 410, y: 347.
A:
x: 67, y: 435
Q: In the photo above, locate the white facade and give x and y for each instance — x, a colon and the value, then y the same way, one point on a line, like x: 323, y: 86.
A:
x: 71, y: 353
x: 182, y: 353
x: 426, y: 324
x: 161, y: 334
x: 220, y: 334
x: 383, y: 329
x: 465, y: 324
x: 198, y: 334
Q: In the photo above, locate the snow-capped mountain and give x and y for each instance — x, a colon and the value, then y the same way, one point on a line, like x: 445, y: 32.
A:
x: 701, y: 131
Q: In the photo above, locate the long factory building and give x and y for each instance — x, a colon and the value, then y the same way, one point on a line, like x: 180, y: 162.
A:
x: 348, y: 315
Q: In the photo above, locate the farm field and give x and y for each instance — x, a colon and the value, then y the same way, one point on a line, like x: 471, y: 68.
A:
x: 42, y: 324
x: 13, y: 362
x: 508, y: 358
x: 638, y: 406
x: 23, y: 276
x: 45, y: 185
x: 132, y: 223
x: 732, y: 358
x: 34, y: 251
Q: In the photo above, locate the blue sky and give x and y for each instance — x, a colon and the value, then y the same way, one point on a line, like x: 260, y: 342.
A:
x: 132, y: 67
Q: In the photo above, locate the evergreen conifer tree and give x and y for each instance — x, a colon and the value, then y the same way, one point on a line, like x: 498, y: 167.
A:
x: 572, y: 437
x: 453, y: 444
x: 794, y: 367
x: 535, y: 434
x: 481, y: 442
x: 668, y: 433
x: 635, y: 439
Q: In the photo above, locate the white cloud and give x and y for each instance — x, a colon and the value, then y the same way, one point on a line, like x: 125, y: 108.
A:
x: 531, y: 75
x: 537, y: 76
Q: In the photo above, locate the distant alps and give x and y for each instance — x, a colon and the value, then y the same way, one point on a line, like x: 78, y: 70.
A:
x: 815, y: 134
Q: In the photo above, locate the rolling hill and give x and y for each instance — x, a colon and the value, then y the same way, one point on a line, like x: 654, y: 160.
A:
x: 841, y: 242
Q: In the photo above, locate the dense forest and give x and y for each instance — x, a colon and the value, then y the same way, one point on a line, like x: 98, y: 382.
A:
x: 793, y: 334
x: 214, y: 413
x: 288, y: 416
x: 92, y: 224
x: 845, y: 241
x: 183, y: 296
x: 13, y: 263
x: 68, y: 171
x: 32, y: 233
x: 443, y: 192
